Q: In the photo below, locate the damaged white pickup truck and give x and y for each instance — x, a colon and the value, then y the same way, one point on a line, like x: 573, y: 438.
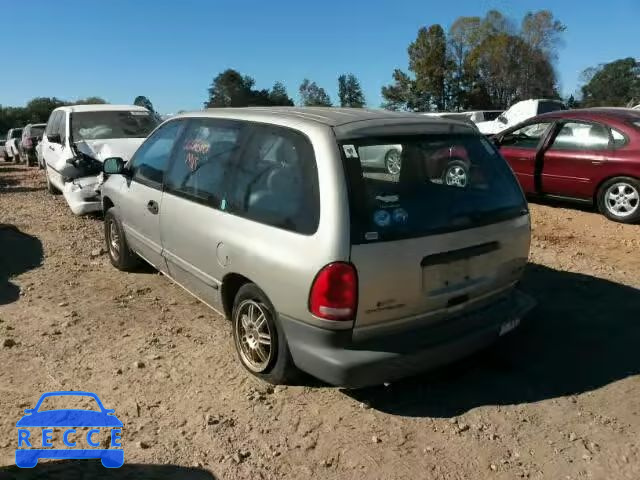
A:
x: 79, y: 138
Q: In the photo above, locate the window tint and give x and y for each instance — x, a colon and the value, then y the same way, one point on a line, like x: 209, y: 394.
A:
x: 581, y: 136
x: 276, y: 182
x: 202, y: 160
x: 150, y: 161
x: 525, y: 137
x: 445, y: 183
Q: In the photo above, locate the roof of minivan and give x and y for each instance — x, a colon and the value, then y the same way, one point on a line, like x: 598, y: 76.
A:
x: 343, y: 120
x: 99, y: 107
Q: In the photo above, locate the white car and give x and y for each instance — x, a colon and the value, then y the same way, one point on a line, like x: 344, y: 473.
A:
x: 637, y: 107
x: 11, y: 145
x: 519, y: 112
x: 79, y: 138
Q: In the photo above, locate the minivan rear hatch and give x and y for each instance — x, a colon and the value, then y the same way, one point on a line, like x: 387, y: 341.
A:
x: 443, y: 230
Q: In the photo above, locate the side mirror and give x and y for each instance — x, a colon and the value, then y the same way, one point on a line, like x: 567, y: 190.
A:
x: 113, y: 166
x: 54, y: 138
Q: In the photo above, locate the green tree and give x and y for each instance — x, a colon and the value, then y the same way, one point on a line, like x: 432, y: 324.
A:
x: 430, y: 65
x: 464, y: 35
x: 350, y: 91
x: 230, y: 89
x: 311, y: 95
x: 615, y: 84
x: 542, y: 32
x: 143, y: 101
x: 279, y: 96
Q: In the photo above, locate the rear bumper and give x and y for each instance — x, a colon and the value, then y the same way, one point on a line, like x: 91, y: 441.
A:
x: 332, y: 356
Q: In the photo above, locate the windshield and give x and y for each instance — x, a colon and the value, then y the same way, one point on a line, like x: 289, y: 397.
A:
x: 112, y: 124
x: 413, y: 186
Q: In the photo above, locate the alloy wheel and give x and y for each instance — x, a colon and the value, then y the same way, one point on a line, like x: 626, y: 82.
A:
x: 254, y: 336
x: 622, y: 199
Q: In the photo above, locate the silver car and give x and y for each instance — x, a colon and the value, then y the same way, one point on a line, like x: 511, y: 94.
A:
x: 358, y: 277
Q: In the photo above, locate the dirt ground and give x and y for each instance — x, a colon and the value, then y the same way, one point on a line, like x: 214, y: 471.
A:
x: 558, y: 399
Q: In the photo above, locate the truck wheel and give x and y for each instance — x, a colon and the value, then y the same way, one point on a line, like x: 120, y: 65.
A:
x: 259, y: 340
x: 619, y: 199
x: 120, y: 254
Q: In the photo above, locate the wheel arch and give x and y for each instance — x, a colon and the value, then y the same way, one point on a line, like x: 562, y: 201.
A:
x: 596, y: 190
x: 231, y: 283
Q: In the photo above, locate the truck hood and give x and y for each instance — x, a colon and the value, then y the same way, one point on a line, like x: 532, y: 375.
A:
x: 113, y: 147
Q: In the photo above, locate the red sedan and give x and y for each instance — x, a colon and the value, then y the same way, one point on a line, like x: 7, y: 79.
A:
x: 590, y: 155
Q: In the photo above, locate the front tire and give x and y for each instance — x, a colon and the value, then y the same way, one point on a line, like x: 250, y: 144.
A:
x: 259, y: 340
x: 119, y: 253
x: 619, y: 199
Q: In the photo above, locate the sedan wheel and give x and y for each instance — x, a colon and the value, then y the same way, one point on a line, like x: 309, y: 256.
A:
x: 456, y: 175
x: 392, y: 162
x: 621, y: 199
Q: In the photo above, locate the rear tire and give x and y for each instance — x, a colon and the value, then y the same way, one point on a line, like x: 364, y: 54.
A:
x: 254, y: 323
x: 119, y: 253
x: 619, y: 199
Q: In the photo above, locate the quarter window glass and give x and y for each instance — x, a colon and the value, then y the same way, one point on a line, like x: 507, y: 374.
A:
x: 202, y: 160
x: 51, y: 122
x: 277, y: 180
x: 150, y: 161
x: 62, y: 126
x: 525, y: 137
x: 619, y: 139
x: 581, y: 136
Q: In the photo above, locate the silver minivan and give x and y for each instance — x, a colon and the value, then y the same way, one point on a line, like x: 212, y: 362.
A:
x: 355, y: 275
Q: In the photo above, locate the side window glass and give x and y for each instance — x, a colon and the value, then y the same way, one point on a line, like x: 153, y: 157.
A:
x: 525, y: 137
x: 277, y: 180
x: 581, y: 136
x: 202, y: 161
x: 62, y: 126
x: 619, y: 140
x: 52, y: 124
x: 150, y: 160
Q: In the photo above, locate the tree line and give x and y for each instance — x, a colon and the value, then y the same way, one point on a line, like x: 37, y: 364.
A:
x: 485, y: 62
x: 232, y: 89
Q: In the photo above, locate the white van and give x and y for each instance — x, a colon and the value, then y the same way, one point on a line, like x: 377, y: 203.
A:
x: 79, y: 138
x: 519, y: 112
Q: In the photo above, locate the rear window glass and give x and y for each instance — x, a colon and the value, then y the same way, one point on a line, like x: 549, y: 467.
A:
x: 36, y: 131
x: 546, y: 107
x: 112, y: 124
x: 488, y: 116
x: 405, y: 187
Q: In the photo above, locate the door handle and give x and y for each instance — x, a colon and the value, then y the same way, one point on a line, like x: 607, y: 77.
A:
x: 152, y: 206
x: 597, y: 162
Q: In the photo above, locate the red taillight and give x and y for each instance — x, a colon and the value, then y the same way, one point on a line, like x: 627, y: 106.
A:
x: 334, y: 293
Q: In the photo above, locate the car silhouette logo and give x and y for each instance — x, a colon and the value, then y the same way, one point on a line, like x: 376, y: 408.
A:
x: 69, y: 419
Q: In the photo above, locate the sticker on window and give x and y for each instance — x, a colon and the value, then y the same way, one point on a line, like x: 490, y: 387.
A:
x: 350, y: 151
x: 195, y: 150
x: 400, y: 215
x: 382, y: 218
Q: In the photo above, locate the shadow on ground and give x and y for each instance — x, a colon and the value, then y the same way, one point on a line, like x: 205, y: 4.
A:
x: 583, y: 335
x: 19, y: 253
x: 566, y: 204
x: 93, y: 469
